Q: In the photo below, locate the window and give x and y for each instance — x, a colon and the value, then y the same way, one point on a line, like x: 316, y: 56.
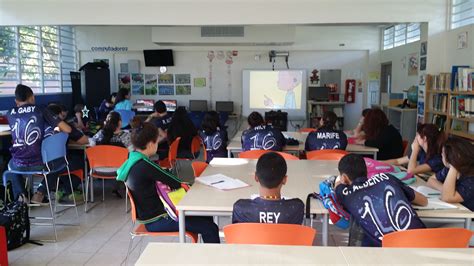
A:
x: 40, y: 57
x: 462, y: 13
x: 400, y: 34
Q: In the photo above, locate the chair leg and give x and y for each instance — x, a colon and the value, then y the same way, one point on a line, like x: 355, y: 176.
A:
x: 126, y: 199
x: 56, y: 200
x: 53, y: 218
x: 72, y: 191
x: 87, y: 192
x: 103, y: 189
x: 130, y: 245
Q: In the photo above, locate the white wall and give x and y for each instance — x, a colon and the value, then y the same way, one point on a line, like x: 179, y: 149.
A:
x: 315, y: 47
x: 457, y: 56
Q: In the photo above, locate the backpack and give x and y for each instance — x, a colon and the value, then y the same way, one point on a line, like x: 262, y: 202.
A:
x: 6, y: 196
x: 376, y: 167
x: 170, y: 198
x: 327, y: 196
x: 14, y: 217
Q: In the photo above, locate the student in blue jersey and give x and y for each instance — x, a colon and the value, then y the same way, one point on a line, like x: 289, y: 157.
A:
x: 122, y: 101
x: 28, y: 123
x: 456, y: 180
x: 260, y: 136
x: 326, y: 137
x: 425, y: 153
x: 106, y: 106
x: 380, y: 205
x: 270, y: 206
x: 213, y: 136
x: 161, y: 119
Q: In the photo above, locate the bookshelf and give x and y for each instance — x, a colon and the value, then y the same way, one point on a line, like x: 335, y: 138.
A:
x: 316, y: 110
x: 451, y: 110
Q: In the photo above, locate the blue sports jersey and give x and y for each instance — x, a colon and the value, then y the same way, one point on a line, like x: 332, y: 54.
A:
x: 28, y: 123
x: 380, y: 205
x: 326, y: 139
x: 162, y: 122
x: 464, y: 186
x: 435, y: 162
x: 262, y: 138
x: 259, y: 210
x: 216, y: 144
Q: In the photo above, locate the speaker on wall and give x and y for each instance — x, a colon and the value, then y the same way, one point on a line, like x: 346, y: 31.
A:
x: 95, y: 84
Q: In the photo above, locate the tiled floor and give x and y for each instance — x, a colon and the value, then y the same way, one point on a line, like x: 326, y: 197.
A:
x: 101, y: 238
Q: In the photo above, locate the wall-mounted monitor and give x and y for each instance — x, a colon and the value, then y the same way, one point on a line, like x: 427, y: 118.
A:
x: 225, y: 106
x: 145, y: 102
x: 197, y: 105
x: 170, y: 105
x: 162, y: 57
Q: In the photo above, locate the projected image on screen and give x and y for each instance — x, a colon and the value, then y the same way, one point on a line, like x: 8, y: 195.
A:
x: 276, y: 89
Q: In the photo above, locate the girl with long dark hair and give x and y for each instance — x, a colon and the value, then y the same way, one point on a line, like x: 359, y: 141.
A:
x: 112, y: 133
x: 213, y: 136
x: 122, y: 101
x: 327, y: 137
x: 182, y: 126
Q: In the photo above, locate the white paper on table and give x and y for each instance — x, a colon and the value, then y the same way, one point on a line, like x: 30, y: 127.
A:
x: 228, y: 161
x: 427, y: 191
x: 435, y: 204
x: 4, y: 128
x: 222, y: 182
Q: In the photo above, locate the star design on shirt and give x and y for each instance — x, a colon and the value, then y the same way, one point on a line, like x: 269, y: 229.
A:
x: 85, y: 112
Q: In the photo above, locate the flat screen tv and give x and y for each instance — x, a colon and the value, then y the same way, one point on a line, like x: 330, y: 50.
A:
x: 197, y: 105
x: 319, y: 93
x: 227, y: 107
x: 162, y: 57
x: 170, y: 105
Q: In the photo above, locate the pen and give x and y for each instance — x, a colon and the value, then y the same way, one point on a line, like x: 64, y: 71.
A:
x: 217, y: 182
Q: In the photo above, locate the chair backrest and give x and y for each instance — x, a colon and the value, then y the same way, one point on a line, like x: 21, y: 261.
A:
x: 133, y: 210
x: 429, y: 238
x: 253, y: 154
x: 54, y: 147
x: 198, y: 168
x: 307, y: 129
x: 106, y: 156
x: 173, y: 151
x: 405, y: 146
x: 269, y: 234
x: 126, y: 116
x: 326, y: 155
x: 196, y: 145
x: 287, y: 156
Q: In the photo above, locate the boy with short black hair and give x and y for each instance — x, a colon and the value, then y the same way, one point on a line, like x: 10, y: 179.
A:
x: 160, y: 118
x: 380, y: 205
x: 270, y: 207
x: 28, y: 123
x: 260, y: 136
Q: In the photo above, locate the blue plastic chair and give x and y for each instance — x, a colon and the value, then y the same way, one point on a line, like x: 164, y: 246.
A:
x: 52, y: 148
x: 126, y: 117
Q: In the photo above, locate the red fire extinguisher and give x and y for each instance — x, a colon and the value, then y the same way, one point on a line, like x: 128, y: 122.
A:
x: 350, y: 90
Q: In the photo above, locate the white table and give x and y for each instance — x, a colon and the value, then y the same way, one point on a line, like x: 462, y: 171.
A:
x: 208, y: 201
x: 224, y: 254
x: 304, y: 177
x: 235, y: 145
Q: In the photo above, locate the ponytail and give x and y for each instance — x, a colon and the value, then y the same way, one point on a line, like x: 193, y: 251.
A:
x: 110, y: 126
x: 435, y: 138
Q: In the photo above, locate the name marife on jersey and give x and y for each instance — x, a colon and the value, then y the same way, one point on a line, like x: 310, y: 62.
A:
x: 23, y: 110
x: 327, y: 135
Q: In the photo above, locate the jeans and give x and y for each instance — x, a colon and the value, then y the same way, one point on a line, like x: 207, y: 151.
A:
x: 195, y: 224
x: 18, y: 183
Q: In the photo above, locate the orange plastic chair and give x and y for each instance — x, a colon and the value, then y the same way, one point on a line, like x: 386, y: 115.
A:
x: 255, y: 154
x: 428, y: 238
x: 106, y: 157
x: 140, y: 230
x: 198, y: 168
x: 173, y: 152
x: 334, y: 155
x: 307, y: 130
x: 196, y: 145
x: 405, y: 146
x: 269, y: 234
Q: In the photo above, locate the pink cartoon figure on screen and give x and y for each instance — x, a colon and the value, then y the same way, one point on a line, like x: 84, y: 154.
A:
x: 287, y: 81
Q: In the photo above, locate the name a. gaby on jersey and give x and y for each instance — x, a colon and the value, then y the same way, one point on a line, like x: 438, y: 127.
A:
x: 25, y: 109
x: 378, y: 178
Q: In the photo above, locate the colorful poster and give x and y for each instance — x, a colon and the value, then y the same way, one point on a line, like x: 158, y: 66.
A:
x: 138, y: 85
x: 199, y: 82
x: 183, y: 89
x: 182, y: 78
x: 124, y: 81
x: 413, y: 64
x: 165, y: 89
x: 165, y: 79
x: 151, y: 83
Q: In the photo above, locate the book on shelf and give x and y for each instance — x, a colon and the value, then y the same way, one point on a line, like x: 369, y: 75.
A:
x: 441, y: 81
x: 454, y: 76
x: 440, y: 102
x: 439, y: 121
x: 462, y: 106
x: 464, y: 79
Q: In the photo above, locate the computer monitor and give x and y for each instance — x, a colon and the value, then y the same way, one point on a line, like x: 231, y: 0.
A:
x: 319, y: 93
x: 197, y: 105
x: 225, y: 106
x: 170, y: 105
x: 145, y: 102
